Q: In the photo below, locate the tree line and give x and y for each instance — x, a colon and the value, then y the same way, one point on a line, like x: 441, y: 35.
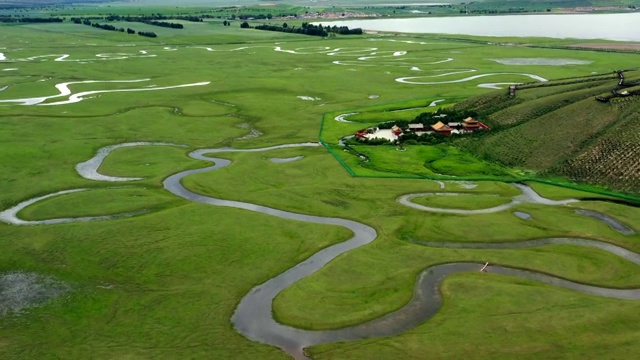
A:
x: 150, y: 20
x: 152, y: 17
x: 9, y: 19
x: 164, y: 24
x: 306, y: 29
x: 110, y: 27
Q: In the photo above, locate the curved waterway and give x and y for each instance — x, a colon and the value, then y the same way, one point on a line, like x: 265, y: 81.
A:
x: 528, y: 196
x: 253, y: 316
x: 63, y: 90
x: 613, y: 223
x: 89, y: 168
x: 10, y: 216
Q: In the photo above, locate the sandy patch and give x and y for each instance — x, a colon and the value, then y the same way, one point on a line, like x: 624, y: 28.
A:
x: 308, y: 98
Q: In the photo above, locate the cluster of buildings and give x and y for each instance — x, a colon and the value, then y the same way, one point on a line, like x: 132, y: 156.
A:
x: 466, y: 126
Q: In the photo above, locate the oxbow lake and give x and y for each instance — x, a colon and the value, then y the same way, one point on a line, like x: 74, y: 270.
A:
x: 622, y: 27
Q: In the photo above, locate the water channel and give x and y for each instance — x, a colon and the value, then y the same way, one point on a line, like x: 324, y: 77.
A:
x: 253, y: 316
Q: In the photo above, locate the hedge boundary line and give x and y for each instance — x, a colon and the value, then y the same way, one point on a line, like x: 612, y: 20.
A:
x: 353, y: 173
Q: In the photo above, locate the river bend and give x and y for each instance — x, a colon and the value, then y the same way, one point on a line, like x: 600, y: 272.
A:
x: 253, y: 316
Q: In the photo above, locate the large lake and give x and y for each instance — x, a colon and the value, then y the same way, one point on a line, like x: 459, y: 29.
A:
x: 623, y: 27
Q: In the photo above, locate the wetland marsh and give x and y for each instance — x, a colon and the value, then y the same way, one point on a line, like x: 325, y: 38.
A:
x: 234, y: 232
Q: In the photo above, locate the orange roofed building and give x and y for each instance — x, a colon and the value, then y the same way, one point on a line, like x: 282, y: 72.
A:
x: 441, y: 128
x: 470, y: 125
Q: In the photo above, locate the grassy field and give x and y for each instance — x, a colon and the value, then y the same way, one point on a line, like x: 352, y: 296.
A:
x: 462, y: 202
x: 165, y: 284
x: 552, y: 130
x: 98, y: 202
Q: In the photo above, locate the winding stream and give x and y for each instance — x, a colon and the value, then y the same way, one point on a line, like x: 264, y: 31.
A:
x: 528, y: 196
x: 253, y: 316
x: 63, y: 90
x: 613, y: 223
x: 10, y: 216
x: 364, y: 56
x: 414, y: 79
x: 89, y: 168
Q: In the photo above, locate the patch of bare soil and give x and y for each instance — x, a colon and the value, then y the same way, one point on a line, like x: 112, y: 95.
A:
x: 19, y: 291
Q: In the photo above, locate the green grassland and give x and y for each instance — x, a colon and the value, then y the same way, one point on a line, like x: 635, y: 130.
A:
x: 604, y: 329
x: 462, y: 202
x: 438, y: 161
x: 108, y: 201
x: 554, y: 130
x: 165, y: 284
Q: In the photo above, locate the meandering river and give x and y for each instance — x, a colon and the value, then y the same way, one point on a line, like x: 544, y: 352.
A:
x: 253, y: 316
